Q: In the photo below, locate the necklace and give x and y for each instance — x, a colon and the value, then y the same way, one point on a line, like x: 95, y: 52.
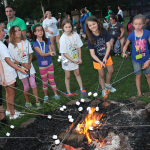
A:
x: 43, y: 50
x: 21, y: 54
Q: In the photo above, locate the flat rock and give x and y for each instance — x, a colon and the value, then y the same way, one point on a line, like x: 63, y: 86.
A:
x: 73, y: 102
x: 95, y: 103
x: 25, y: 124
x: 147, y: 107
x: 132, y: 98
x: 87, y: 100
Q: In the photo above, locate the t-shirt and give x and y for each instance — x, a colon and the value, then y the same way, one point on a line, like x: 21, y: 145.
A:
x: 140, y: 51
x: 17, y: 22
x: 89, y: 13
x: 120, y: 12
x: 115, y: 31
x: 9, y: 72
x: 105, y: 24
x: 22, y: 56
x: 129, y: 26
x: 51, y: 25
x: 70, y: 46
x: 100, y: 44
x: 39, y: 58
x: 34, y: 25
x: 148, y: 26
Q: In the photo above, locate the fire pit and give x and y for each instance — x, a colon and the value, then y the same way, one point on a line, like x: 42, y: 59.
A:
x: 119, y: 126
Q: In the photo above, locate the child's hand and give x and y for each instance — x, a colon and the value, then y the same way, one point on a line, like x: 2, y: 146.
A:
x: 104, y: 60
x: 25, y: 65
x: 23, y: 70
x: 52, y: 53
x: 50, y: 32
x: 28, y: 66
x: 3, y: 82
x: 146, y: 64
x: 124, y: 55
x: 80, y: 61
x: 102, y: 64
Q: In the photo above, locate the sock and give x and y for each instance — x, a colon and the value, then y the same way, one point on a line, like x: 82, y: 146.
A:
x: 46, y: 96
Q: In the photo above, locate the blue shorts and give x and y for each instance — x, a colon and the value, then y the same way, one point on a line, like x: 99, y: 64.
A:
x: 137, y: 66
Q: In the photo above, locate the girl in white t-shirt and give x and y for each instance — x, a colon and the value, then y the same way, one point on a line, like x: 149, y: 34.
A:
x: 10, y: 76
x: 51, y: 30
x: 70, y: 49
x: 21, y: 52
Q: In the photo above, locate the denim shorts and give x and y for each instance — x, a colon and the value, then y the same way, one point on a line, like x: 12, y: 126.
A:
x: 137, y: 66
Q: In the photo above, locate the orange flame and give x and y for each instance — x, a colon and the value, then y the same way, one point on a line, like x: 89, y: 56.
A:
x: 67, y: 147
x: 69, y: 127
x: 89, y: 121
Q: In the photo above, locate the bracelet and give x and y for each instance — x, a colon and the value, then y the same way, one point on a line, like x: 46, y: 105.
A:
x: 123, y: 53
x: 19, y: 63
x: 50, y: 50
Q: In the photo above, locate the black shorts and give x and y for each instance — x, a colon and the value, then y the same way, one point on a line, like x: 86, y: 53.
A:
x: 1, y: 100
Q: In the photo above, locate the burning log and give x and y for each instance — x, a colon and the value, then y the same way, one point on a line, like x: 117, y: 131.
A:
x: 72, y: 139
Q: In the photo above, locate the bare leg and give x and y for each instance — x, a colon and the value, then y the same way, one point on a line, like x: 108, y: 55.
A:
x: 110, y: 70
x: 35, y: 92
x: 138, y: 84
x: 57, y: 40
x: 112, y: 43
x: 148, y: 79
x: 53, y: 39
x: 2, y: 115
x: 26, y: 95
x: 122, y: 42
x: 101, y: 78
x: 67, y: 80
x: 78, y: 78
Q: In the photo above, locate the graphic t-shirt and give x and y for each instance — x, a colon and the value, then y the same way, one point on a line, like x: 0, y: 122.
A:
x: 140, y: 51
x: 70, y: 46
x: 115, y: 31
x: 100, y: 44
x: 51, y: 25
x: 9, y: 72
x: 39, y: 58
x: 17, y: 22
x: 21, y: 54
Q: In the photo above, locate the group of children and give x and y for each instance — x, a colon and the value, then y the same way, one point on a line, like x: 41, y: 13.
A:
x: 19, y: 53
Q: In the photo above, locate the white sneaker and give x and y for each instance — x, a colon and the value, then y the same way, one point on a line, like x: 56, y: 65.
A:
x: 112, y: 89
x: 14, y: 117
x: 16, y: 112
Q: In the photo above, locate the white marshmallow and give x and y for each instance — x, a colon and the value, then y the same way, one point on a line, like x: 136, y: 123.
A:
x: 71, y: 120
x: 58, y: 60
x: 61, y: 108
x: 54, y: 137
x: 64, y: 107
x: 88, y: 108
x: 69, y: 116
x: 90, y: 93
x: 80, y: 108
x: 78, y: 103
x: 90, y: 128
x: 97, y: 122
x: 59, y: 57
x: 95, y: 94
x: 82, y: 100
x: 12, y: 126
x: 49, y: 116
x: 57, y: 141
x: 7, y: 134
x: 97, y: 108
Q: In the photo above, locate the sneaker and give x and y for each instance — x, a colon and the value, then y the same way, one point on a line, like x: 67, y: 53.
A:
x: 38, y: 105
x: 29, y: 105
x: 16, y: 112
x: 45, y: 99
x: 14, y: 117
x: 83, y: 91
x: 104, y: 94
x: 57, y: 97
x: 69, y: 94
x: 112, y: 89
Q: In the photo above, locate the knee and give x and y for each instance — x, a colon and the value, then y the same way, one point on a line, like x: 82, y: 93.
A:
x: 147, y: 75
x: 138, y: 76
x: 77, y: 74
x: 67, y: 77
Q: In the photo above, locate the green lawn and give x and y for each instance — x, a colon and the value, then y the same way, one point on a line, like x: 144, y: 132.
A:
x: 125, y: 88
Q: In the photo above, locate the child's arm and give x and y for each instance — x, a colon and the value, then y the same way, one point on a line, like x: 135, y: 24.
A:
x: 69, y: 58
x: 48, y: 31
x: 92, y: 52
x: 122, y: 33
x: 107, y: 52
x: 79, y: 54
x: 3, y: 82
x: 146, y: 64
x: 9, y: 62
x: 125, y: 48
x: 44, y: 54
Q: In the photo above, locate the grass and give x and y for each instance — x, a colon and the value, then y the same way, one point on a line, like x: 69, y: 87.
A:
x: 125, y: 88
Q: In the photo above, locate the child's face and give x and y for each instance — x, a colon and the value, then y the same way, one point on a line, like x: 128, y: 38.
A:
x: 17, y: 32
x: 67, y: 28
x: 138, y: 24
x: 39, y: 31
x: 2, y: 33
x: 93, y: 26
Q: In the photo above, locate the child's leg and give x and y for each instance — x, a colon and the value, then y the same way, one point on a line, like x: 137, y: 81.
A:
x: 57, y: 40
x: 53, y: 39
x: 101, y: 74
x: 148, y: 79
x: 43, y: 73
x: 51, y: 80
x: 1, y: 104
x: 112, y: 43
x: 34, y: 86
x: 67, y: 80
x: 78, y: 77
x: 11, y: 94
x: 110, y: 70
x: 122, y: 42
x: 147, y: 74
x: 26, y: 88
x: 138, y: 84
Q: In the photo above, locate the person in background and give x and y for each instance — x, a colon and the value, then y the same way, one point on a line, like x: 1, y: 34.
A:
x: 35, y: 23
x: 51, y: 30
x: 29, y: 36
x: 73, y: 21
x: 120, y: 19
x: 147, y: 19
x: 130, y: 27
x: 105, y: 24
x: 87, y: 11
x: 120, y: 11
x: 4, y: 27
x: 14, y: 21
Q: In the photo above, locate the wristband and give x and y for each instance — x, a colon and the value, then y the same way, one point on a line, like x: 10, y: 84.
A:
x: 50, y: 50
x: 19, y: 63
